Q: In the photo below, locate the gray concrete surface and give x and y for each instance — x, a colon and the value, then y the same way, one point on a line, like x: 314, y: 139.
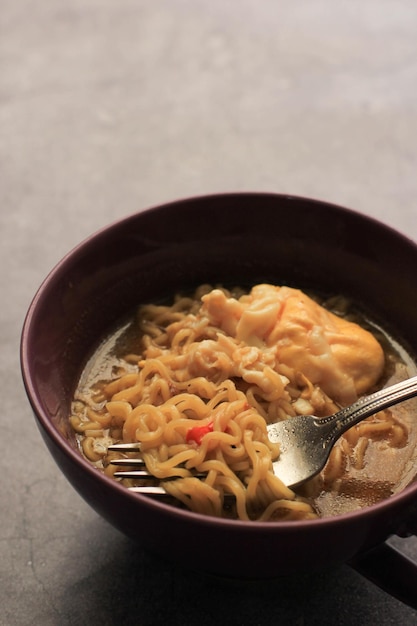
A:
x: 109, y: 107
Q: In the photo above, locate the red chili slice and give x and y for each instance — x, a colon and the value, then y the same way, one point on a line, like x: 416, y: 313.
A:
x: 196, y: 433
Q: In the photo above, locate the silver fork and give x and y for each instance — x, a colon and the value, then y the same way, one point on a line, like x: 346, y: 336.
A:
x: 305, y: 441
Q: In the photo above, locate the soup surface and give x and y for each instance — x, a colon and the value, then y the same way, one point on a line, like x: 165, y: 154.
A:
x: 196, y: 382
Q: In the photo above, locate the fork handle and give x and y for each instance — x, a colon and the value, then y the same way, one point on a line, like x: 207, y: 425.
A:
x: 341, y: 421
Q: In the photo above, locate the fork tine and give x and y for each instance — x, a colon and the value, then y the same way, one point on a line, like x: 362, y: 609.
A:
x: 134, y: 474
x: 124, y: 447
x: 154, y: 491
x: 159, y: 493
x: 128, y: 462
x: 145, y: 474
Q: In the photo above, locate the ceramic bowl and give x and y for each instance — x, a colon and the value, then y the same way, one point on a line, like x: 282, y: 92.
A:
x: 239, y: 238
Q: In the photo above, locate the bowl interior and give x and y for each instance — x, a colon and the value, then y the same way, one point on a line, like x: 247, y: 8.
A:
x: 232, y: 239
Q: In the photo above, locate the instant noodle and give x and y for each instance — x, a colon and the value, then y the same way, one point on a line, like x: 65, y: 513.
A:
x: 196, y: 382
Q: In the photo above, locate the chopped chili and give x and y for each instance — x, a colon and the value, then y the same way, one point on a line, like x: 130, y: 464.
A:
x: 196, y: 433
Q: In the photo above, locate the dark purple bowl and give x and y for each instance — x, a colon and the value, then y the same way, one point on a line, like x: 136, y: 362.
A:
x: 232, y: 238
